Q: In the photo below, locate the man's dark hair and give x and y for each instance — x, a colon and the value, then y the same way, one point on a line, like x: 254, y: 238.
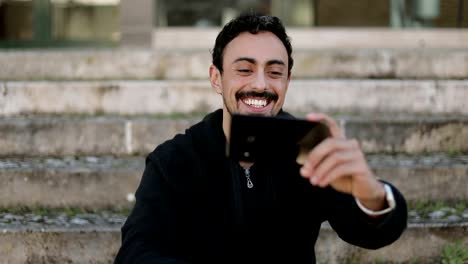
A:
x: 252, y: 23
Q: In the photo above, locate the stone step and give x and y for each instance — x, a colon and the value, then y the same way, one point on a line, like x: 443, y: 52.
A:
x: 420, y: 243
x: 117, y: 135
x: 424, y: 178
x: 117, y: 64
x: 306, y: 38
x: 109, y: 182
x: 81, y: 243
x: 59, y: 245
x: 83, y: 182
x: 164, y: 97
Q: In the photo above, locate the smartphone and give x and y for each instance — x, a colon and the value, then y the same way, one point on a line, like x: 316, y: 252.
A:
x: 256, y: 137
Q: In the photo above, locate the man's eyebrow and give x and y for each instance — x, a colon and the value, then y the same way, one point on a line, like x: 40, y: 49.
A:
x: 253, y: 61
x: 271, y: 62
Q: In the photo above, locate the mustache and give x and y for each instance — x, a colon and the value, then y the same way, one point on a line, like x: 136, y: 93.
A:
x: 265, y: 94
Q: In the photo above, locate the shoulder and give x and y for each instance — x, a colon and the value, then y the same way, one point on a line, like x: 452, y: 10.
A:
x: 174, y: 152
x: 186, y: 151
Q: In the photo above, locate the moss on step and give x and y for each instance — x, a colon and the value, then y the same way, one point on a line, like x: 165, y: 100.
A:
x: 68, y: 211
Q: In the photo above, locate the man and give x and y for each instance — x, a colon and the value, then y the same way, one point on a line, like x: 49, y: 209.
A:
x: 195, y: 205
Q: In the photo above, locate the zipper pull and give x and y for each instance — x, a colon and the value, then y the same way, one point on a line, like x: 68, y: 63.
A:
x: 249, y: 181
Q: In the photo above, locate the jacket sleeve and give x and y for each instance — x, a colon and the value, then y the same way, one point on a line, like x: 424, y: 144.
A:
x: 148, y: 235
x: 357, y: 228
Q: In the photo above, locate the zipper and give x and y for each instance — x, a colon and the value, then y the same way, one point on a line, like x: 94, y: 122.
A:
x: 247, y: 176
x: 237, y: 192
x: 236, y: 174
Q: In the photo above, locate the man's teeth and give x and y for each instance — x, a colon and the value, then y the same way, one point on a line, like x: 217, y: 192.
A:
x: 256, y: 102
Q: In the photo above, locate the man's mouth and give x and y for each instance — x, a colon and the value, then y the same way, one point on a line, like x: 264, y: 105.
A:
x: 257, y: 103
x: 256, y: 99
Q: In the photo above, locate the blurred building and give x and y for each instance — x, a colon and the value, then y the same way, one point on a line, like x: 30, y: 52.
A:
x: 31, y: 23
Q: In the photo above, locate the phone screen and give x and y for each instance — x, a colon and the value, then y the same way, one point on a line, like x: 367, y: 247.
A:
x: 260, y: 137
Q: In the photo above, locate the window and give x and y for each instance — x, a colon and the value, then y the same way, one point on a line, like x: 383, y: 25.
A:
x: 47, y: 23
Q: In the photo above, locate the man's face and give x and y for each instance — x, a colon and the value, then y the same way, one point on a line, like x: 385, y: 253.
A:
x: 255, y: 74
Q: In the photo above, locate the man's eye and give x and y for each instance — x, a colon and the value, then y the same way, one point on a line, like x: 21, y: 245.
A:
x: 244, y: 70
x: 276, y: 73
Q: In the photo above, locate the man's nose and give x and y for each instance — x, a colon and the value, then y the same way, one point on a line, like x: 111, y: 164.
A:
x: 260, y: 82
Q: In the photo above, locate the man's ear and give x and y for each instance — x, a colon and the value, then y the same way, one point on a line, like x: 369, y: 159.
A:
x: 215, y: 79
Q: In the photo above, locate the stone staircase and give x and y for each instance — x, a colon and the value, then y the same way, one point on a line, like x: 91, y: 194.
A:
x: 76, y: 125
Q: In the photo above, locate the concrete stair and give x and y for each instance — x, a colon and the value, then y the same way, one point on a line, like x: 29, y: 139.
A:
x: 76, y: 122
x: 132, y: 97
x: 421, y: 243
x: 183, y: 64
x: 78, y: 182
x: 117, y: 135
x: 99, y: 244
x: 59, y: 245
x: 75, y: 182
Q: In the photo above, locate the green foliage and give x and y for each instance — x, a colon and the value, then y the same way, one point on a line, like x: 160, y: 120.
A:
x: 455, y: 253
x: 424, y: 208
x: 460, y: 207
x: 453, y: 153
x: 355, y: 258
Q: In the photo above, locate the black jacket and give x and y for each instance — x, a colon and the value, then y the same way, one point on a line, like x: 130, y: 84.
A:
x: 193, y: 206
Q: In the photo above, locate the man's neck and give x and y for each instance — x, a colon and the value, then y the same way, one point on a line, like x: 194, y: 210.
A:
x: 245, y: 164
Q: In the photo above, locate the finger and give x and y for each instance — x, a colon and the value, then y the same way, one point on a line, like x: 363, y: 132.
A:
x: 326, y: 147
x: 330, y: 162
x: 350, y: 153
x: 349, y: 169
x: 305, y: 172
x: 330, y: 122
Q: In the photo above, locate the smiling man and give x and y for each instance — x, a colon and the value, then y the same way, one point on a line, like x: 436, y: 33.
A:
x: 195, y: 205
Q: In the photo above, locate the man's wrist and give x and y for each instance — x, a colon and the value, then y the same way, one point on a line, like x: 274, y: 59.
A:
x: 390, y: 201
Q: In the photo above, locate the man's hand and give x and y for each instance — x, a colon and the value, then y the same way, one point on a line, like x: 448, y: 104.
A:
x: 340, y: 163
